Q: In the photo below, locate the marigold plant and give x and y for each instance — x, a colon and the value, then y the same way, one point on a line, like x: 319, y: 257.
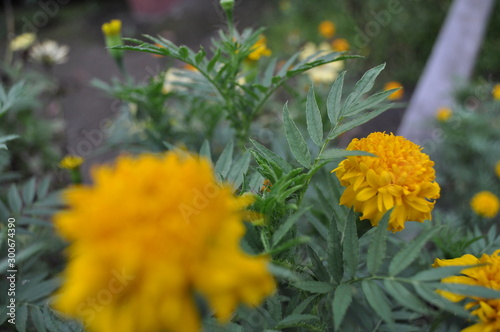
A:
x: 148, y: 235
x: 487, y: 274
x: 399, y: 176
x: 444, y: 114
x: 485, y: 204
x: 326, y: 29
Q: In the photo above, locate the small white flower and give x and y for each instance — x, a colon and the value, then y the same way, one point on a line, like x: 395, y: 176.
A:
x: 49, y: 53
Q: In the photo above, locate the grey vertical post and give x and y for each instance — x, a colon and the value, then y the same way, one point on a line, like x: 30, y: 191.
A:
x: 453, y: 57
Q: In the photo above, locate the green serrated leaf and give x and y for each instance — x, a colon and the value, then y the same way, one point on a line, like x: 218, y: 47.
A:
x: 269, y: 73
x: 370, y: 102
x: 199, y: 56
x: 43, y: 187
x: 205, y: 150
x: 313, y: 118
x: 317, y: 287
x: 295, y: 320
x: 363, y: 86
x: 268, y: 154
x: 429, y: 294
x: 334, y: 110
x: 29, y: 191
x: 439, y: 273
x: 14, y: 199
x: 342, y: 299
x: 295, y: 140
x: 334, y: 251
x: 37, y: 319
x: 225, y: 160
x: 470, y: 290
x: 411, y: 251
x: 377, y: 300
x: 350, y: 246
x: 378, y: 245
x: 238, y: 170
x: 319, y: 268
x: 21, y: 317
x: 404, y: 297
x: 287, y: 225
x: 333, y: 154
x: 359, y: 120
x: 303, y: 305
x: 183, y: 52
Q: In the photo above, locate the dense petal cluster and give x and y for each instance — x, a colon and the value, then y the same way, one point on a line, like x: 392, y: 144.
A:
x: 486, y: 275
x: 146, y: 237
x: 485, y: 204
x: 400, y: 177
x: 259, y: 50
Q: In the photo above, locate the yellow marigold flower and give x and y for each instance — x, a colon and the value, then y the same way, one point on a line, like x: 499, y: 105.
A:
x: 71, y: 162
x: 147, y: 235
x: 340, y: 45
x: 444, y: 114
x: 497, y: 169
x: 266, y: 186
x: 112, y: 28
x: 400, y: 177
x: 22, y: 42
x: 326, y: 29
x: 496, y: 92
x: 485, y: 204
x: 396, y: 94
x: 485, y: 275
x: 259, y: 50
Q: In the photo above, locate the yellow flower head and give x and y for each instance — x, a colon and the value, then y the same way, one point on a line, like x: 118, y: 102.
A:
x: 71, y: 162
x: 444, y: 114
x: 326, y: 29
x: 485, y: 275
x: 150, y: 233
x: 340, y: 45
x: 400, y: 177
x: 326, y: 73
x: 112, y: 28
x: 496, y: 92
x: 396, y: 94
x: 485, y: 204
x: 259, y: 50
x: 22, y: 42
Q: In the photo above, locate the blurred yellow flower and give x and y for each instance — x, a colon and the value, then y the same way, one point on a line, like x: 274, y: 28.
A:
x: 326, y: 73
x: 396, y: 94
x: 444, y: 114
x: 485, y: 204
x: 486, y: 275
x: 22, y: 42
x: 112, y: 28
x: 259, y: 50
x: 400, y: 177
x: 151, y: 232
x: 326, y: 29
x: 496, y: 92
x: 340, y: 45
x: 497, y: 169
x: 71, y: 162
